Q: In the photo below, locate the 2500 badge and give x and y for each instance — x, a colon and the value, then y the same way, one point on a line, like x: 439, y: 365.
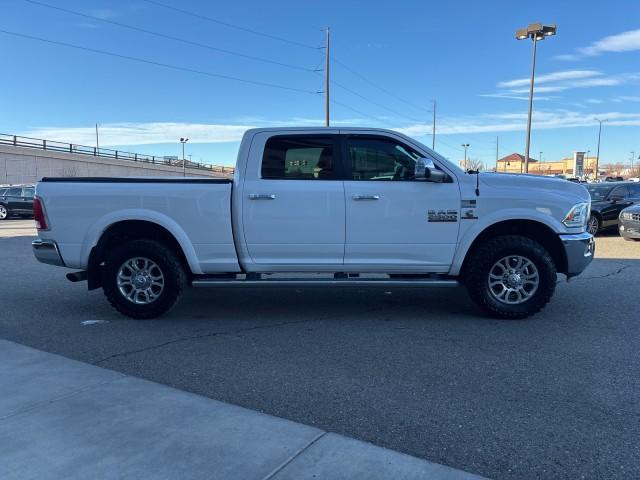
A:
x: 442, y: 215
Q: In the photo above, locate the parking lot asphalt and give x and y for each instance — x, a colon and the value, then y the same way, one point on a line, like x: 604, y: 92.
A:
x: 422, y: 372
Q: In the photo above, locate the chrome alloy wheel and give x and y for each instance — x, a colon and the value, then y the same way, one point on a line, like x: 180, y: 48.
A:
x: 513, y: 279
x: 3, y: 212
x: 140, y: 280
x: 592, y: 225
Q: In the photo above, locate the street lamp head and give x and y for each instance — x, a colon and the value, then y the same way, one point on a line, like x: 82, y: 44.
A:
x: 183, y: 140
x: 536, y: 31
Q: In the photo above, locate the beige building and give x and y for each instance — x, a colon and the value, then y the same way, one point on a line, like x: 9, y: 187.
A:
x: 577, y: 165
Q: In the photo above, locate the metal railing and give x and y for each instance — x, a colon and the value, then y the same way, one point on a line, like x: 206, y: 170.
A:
x: 53, y: 146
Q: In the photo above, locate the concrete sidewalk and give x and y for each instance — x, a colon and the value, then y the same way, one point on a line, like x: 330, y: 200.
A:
x: 60, y: 418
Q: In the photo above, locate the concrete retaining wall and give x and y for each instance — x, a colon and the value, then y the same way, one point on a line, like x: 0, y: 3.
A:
x: 29, y: 165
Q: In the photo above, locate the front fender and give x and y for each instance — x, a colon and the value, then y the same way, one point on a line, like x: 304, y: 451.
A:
x: 98, y: 228
x: 539, y: 215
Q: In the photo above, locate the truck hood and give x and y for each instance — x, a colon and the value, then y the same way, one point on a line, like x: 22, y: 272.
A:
x: 534, y: 185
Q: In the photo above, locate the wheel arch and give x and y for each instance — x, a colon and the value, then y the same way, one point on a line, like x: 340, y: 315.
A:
x: 535, y: 230
x: 123, y: 231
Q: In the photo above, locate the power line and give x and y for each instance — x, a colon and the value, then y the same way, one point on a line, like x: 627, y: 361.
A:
x: 170, y: 37
x: 373, y: 102
x: 159, y: 64
x: 354, y: 110
x: 230, y: 25
x: 382, y: 89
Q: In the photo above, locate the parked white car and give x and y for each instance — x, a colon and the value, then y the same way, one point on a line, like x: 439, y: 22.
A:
x: 360, y: 207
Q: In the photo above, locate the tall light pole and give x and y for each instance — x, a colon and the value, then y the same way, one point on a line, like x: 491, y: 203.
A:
x: 465, y: 145
x: 633, y: 154
x: 184, y: 140
x: 97, y: 141
x: 598, y: 151
x: 497, y: 150
x: 535, y: 31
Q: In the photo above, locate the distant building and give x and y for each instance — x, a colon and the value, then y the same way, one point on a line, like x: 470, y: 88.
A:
x: 578, y: 165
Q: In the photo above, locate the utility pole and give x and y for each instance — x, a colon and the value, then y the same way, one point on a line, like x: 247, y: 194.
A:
x: 97, y: 141
x: 326, y: 76
x: 633, y: 154
x: 465, y: 145
x: 497, y: 150
x: 598, y: 154
x: 433, y: 135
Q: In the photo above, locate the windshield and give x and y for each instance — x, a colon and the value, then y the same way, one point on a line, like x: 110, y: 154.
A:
x: 598, y: 192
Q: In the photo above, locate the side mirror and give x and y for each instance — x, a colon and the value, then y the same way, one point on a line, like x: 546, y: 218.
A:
x: 426, y: 170
x: 435, y: 176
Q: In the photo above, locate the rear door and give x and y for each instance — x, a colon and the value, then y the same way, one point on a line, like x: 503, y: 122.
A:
x: 27, y: 200
x: 293, y: 207
x: 396, y: 222
x: 14, y: 199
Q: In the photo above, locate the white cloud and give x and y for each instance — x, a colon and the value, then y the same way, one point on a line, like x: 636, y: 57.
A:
x: 551, y: 77
x: 562, y: 81
x: 511, y: 122
x: 594, y: 101
x: 141, y: 133
x: 622, y: 42
x: 629, y: 98
x: 132, y: 134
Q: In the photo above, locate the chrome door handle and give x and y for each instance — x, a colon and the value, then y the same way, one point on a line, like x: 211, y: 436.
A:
x: 366, y: 197
x: 262, y: 196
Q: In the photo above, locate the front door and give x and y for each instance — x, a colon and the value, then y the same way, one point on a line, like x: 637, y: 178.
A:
x: 396, y: 222
x: 293, y: 207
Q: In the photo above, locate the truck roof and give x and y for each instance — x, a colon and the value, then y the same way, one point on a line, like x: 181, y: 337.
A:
x: 320, y: 127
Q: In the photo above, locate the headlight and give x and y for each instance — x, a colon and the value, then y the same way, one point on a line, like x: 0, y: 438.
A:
x: 578, y: 215
x: 626, y: 216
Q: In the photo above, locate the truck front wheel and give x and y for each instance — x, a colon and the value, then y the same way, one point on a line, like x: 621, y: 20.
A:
x: 510, y: 277
x: 143, y: 279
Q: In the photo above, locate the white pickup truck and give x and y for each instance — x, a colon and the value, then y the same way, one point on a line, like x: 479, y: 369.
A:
x: 319, y: 207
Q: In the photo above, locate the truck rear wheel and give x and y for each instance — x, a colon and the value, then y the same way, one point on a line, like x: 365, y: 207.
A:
x: 143, y: 279
x: 510, y: 277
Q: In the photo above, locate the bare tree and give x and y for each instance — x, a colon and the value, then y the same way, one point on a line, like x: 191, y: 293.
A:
x: 475, y: 164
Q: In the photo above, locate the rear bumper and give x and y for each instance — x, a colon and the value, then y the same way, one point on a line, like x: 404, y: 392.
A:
x: 579, y: 249
x: 46, y: 251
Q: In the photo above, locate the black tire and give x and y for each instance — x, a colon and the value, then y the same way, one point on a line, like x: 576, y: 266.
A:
x: 174, y: 278
x: 484, y: 258
x: 594, y: 224
x: 4, y: 212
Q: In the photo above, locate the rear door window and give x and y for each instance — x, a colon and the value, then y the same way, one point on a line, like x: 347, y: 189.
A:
x: 299, y: 157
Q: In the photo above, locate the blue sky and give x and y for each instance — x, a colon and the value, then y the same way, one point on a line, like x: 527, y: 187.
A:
x: 461, y: 53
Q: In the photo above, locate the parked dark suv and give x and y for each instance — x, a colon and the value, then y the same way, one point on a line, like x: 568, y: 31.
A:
x: 16, y: 201
x: 608, y: 200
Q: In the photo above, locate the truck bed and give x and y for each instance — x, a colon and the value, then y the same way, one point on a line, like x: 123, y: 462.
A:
x: 196, y: 211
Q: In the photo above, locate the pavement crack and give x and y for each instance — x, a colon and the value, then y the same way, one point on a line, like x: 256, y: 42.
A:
x: 608, y: 275
x: 294, y: 456
x: 200, y: 336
